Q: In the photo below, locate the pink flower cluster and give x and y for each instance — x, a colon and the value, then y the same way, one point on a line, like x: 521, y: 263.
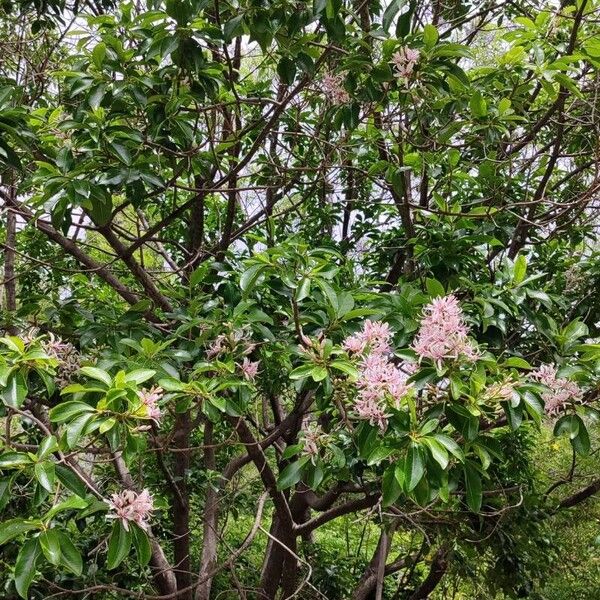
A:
x: 374, y: 336
x: 405, y: 61
x: 501, y: 390
x: 150, y: 399
x: 249, y: 369
x: 379, y: 378
x: 312, y: 436
x: 560, y: 390
x: 131, y: 507
x: 332, y: 84
x: 443, y: 333
x: 216, y: 347
x: 66, y: 354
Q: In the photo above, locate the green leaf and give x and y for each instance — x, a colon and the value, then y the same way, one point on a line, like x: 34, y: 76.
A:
x: 286, y: 69
x: 70, y: 480
x: 438, y: 451
x: 118, y: 545
x: 291, y: 474
x: 140, y: 375
x: 520, y: 269
x: 303, y: 289
x: 574, y: 330
x: 25, y: 566
x: 473, y: 487
x: 67, y: 410
x: 98, y: 54
x: 47, y: 447
x: 318, y: 373
x: 121, y: 152
x: 478, y: 105
x: 514, y: 414
x: 50, y: 544
x: 70, y: 557
x: 15, y: 392
x: 517, y: 362
x: 414, y: 467
x: 141, y: 544
x: 10, y: 460
x: 567, y: 424
x: 233, y: 27
x: 430, y: 36
x: 434, y: 288
x: 45, y: 474
x: 72, y: 503
x: 14, y: 527
x: 391, y: 489
x: 249, y: 277
x: 379, y: 454
x: 581, y: 442
x: 390, y: 12
x: 450, y: 445
x: 346, y: 367
x: 98, y: 374
x: 302, y: 371
x: 96, y: 95
x: 76, y: 427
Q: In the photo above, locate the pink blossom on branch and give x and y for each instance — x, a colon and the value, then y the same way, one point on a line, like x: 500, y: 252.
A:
x: 380, y: 381
x: 560, y: 390
x: 150, y: 400
x: 405, y: 61
x: 332, y: 85
x: 371, y: 409
x: 249, y: 369
x: 443, y: 332
x: 131, y: 507
x: 374, y: 336
x: 379, y: 378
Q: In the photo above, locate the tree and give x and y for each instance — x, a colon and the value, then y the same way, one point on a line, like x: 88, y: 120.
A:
x: 299, y: 262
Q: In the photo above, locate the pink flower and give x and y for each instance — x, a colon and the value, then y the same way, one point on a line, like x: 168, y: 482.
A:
x: 249, y: 369
x: 312, y: 437
x: 374, y: 336
x: 404, y: 61
x: 443, y: 333
x: 131, y: 507
x: 150, y: 400
x: 369, y: 409
x: 332, y: 85
x: 559, y: 391
x: 216, y: 347
x: 501, y: 390
x: 380, y: 378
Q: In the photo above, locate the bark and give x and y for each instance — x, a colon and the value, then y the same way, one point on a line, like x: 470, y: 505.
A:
x: 210, y: 520
x: 376, y: 570
x: 181, y: 507
x: 136, y: 269
x: 581, y: 495
x: 437, y: 571
x: 277, y: 558
x: 10, y: 283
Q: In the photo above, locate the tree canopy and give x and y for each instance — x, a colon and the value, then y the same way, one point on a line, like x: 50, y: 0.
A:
x: 299, y: 300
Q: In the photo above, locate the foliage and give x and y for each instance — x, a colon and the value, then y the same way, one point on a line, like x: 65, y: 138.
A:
x: 276, y: 273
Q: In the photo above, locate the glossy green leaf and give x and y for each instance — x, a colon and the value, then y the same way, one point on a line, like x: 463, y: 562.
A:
x: 119, y: 545
x: 25, y: 570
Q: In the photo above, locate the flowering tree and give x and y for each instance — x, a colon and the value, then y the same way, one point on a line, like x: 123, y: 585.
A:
x: 273, y: 271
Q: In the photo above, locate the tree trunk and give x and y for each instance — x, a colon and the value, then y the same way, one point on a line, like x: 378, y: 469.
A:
x: 10, y: 283
x: 181, y: 506
x: 438, y: 568
x: 210, y: 521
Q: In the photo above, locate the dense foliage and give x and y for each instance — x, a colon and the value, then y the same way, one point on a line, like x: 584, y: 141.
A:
x: 299, y: 299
